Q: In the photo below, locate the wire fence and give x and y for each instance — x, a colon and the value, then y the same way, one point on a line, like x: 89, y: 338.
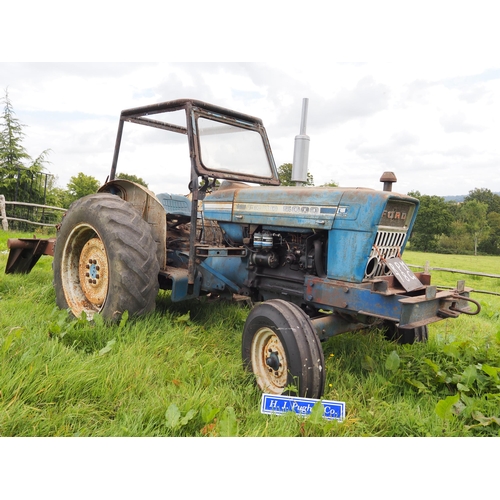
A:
x: 427, y: 269
x: 22, y: 215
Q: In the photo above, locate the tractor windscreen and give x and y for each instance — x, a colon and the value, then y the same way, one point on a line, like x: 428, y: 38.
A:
x: 235, y: 150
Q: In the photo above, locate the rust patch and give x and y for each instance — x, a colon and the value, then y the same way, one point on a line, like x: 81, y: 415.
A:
x: 93, y: 271
x: 25, y: 252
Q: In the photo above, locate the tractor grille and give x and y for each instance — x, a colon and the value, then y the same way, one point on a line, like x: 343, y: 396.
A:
x: 387, y: 244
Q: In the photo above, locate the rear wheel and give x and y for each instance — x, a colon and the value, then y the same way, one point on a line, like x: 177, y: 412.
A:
x: 105, y: 259
x: 281, y: 348
x: 406, y: 335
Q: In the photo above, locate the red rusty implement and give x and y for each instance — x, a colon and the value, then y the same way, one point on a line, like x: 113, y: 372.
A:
x: 25, y: 253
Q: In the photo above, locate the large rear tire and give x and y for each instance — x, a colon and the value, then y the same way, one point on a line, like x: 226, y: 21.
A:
x: 282, y: 349
x: 105, y: 259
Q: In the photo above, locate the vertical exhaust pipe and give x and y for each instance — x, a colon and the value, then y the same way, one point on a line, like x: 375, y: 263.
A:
x: 388, y: 178
x: 301, y: 150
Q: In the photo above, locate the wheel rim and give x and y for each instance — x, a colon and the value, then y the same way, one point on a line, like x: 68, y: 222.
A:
x: 84, y: 271
x: 269, y: 361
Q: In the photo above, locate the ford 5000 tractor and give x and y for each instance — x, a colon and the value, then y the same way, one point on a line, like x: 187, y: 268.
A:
x: 313, y: 261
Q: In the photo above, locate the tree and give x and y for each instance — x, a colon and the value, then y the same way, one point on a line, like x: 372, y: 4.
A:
x: 489, y: 243
x: 81, y: 185
x: 484, y: 195
x: 285, y: 176
x: 12, y: 152
x: 18, y: 171
x: 332, y: 183
x: 473, y: 214
x: 456, y: 241
x: 433, y: 219
x: 133, y: 178
x: 58, y: 197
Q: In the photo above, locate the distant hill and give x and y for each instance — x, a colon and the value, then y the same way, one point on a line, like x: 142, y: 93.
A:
x: 459, y: 198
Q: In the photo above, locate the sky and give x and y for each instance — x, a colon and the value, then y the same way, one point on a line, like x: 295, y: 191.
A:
x: 406, y: 87
x: 435, y: 126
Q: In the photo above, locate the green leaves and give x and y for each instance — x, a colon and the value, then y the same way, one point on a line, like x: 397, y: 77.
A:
x: 492, y: 371
x: 81, y: 185
x: 452, y: 349
x: 208, y: 413
x: 184, y: 319
x: 228, y: 425
x: 317, y: 412
x: 393, y: 361
x: 285, y: 175
x: 434, y: 219
x: 475, y: 379
x: 469, y: 376
x: 419, y: 385
x: 445, y: 407
x: 440, y: 376
x: 108, y: 347
x: 123, y: 321
x: 17, y: 168
x: 174, y: 419
x: 483, y: 421
x: 368, y: 363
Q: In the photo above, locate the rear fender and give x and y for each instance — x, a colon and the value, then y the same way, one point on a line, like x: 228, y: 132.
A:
x: 150, y: 208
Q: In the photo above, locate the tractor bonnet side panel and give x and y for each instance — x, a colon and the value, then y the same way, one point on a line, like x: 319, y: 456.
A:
x: 372, y: 227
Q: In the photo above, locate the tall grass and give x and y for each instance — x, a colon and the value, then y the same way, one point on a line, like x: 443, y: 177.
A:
x: 178, y: 371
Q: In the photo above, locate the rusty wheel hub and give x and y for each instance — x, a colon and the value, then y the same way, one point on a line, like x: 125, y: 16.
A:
x: 93, y: 271
x: 269, y: 361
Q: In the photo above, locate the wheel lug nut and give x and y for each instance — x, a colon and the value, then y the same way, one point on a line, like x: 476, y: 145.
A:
x: 97, y: 268
x: 94, y: 282
x: 87, y: 274
x: 97, y: 276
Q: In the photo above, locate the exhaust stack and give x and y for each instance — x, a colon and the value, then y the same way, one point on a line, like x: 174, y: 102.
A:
x: 388, y: 178
x: 301, y: 150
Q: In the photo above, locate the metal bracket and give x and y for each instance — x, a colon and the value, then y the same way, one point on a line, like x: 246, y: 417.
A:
x: 25, y: 252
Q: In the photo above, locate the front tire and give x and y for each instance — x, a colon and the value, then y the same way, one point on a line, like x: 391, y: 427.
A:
x: 281, y: 348
x: 105, y: 259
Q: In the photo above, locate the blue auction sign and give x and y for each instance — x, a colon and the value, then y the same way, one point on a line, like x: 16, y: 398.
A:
x: 277, y: 405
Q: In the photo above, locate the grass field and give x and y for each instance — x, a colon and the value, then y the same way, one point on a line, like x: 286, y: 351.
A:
x: 178, y: 371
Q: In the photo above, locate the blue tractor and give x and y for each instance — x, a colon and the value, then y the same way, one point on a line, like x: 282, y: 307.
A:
x: 313, y: 262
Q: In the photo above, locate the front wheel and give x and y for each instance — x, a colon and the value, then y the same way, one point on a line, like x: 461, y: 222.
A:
x: 281, y: 348
x: 105, y: 259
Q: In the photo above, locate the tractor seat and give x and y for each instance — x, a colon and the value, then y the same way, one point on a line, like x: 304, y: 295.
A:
x: 175, y: 204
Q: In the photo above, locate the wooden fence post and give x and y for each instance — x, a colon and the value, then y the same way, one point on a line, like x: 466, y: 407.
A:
x: 3, y: 214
